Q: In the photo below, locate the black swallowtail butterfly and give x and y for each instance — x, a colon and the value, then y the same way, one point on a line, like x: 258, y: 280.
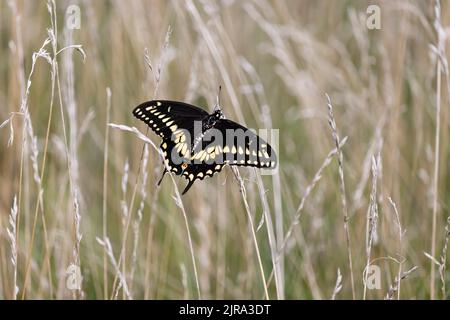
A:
x: 196, y: 144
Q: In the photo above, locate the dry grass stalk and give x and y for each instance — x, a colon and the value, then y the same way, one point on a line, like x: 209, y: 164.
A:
x: 157, y: 76
x: 372, y: 218
x: 137, y: 222
x: 338, y: 285
x: 106, y: 244
x: 273, y: 243
x: 34, y: 154
x: 308, y: 190
x: 443, y: 261
x: 252, y: 227
x: 12, y: 235
x: 340, y: 157
x: 105, y: 191
x: 38, y: 176
x: 401, y: 233
x: 440, y: 49
x: 177, y: 197
x: 396, y: 286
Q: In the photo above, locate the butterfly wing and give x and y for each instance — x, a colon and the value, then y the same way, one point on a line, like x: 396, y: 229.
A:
x: 180, y: 164
x: 234, y: 144
x: 194, y: 171
x: 164, y: 117
x: 173, y: 121
x: 246, y: 148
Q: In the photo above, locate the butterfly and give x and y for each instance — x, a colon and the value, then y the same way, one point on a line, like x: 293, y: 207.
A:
x: 196, y: 144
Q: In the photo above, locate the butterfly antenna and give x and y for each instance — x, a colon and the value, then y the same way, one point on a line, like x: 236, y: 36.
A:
x: 217, y: 106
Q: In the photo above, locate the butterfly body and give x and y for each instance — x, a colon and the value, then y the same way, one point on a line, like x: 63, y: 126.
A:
x: 197, y: 145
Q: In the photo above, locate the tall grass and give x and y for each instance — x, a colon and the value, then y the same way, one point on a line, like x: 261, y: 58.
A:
x: 374, y: 191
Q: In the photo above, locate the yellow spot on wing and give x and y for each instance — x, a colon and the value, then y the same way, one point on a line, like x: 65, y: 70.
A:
x: 199, y: 154
x: 184, y: 149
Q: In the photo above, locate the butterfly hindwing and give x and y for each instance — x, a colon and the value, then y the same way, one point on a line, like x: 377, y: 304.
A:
x: 179, y: 164
x: 168, y: 148
x: 194, y: 172
x: 236, y: 145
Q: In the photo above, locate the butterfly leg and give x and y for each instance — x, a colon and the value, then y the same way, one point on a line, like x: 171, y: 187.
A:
x: 191, y: 182
x: 160, y: 180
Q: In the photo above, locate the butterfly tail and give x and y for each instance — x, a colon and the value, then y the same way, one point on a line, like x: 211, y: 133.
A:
x: 187, y: 187
x: 161, y: 179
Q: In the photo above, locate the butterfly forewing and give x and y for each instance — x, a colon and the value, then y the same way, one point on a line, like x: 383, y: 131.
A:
x: 165, y: 117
